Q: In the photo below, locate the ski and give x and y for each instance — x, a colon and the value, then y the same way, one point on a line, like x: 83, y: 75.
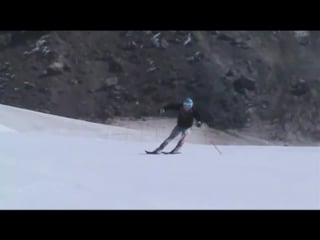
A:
x: 171, y: 153
x: 155, y: 153
x: 151, y: 152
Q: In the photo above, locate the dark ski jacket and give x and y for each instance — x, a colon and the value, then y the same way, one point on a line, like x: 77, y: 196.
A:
x: 185, y: 118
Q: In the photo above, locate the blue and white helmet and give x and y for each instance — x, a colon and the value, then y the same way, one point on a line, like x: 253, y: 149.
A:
x: 188, y: 103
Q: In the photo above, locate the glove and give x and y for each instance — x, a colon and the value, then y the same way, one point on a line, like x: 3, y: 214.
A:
x: 199, y: 124
x: 162, y: 110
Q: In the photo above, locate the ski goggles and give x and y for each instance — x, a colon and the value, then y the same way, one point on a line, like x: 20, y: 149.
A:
x: 187, y: 105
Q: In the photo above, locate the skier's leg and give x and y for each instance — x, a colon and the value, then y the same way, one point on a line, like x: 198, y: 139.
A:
x: 174, y: 133
x: 181, y: 141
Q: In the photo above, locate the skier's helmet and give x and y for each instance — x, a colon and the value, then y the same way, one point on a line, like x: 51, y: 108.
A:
x: 188, y: 103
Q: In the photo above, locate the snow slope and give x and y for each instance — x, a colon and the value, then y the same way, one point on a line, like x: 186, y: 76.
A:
x: 49, y: 162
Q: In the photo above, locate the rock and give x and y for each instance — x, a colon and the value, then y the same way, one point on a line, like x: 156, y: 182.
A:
x: 46, y: 51
x: 214, y: 33
x: 118, y: 87
x: 230, y: 73
x: 150, y: 61
x: 197, y: 57
x: 43, y: 90
x: 198, y: 54
x: 157, y: 35
x: 40, y: 47
x: 250, y: 68
x: 4, y: 68
x: 34, y: 67
x: 122, y: 34
x: 43, y: 74
x: 46, y: 111
x: 129, y: 46
x: 224, y: 37
x: 241, y: 84
x: 74, y: 81
x: 111, y: 81
x: 116, y: 92
x: 164, y: 43
x: 176, y: 40
x: 66, y: 66
x: 155, y: 40
x: 114, y: 65
x: 302, y: 37
x: 300, y: 88
x: 188, y: 40
x: 56, y: 68
x: 155, y: 43
x: 134, y: 59
x: 243, y: 45
x: 5, y: 40
x: 129, y: 34
x: 149, y: 89
x: 190, y: 59
x: 28, y: 85
x: 182, y: 33
x: 151, y: 69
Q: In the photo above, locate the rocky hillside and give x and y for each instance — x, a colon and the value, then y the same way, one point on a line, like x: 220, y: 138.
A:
x: 266, y: 80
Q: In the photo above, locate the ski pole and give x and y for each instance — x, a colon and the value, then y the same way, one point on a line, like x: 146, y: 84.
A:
x: 216, y: 148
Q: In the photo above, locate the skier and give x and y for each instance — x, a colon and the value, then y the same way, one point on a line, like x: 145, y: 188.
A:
x: 186, y: 114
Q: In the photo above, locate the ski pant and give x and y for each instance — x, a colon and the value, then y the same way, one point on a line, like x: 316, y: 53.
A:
x: 174, y: 133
